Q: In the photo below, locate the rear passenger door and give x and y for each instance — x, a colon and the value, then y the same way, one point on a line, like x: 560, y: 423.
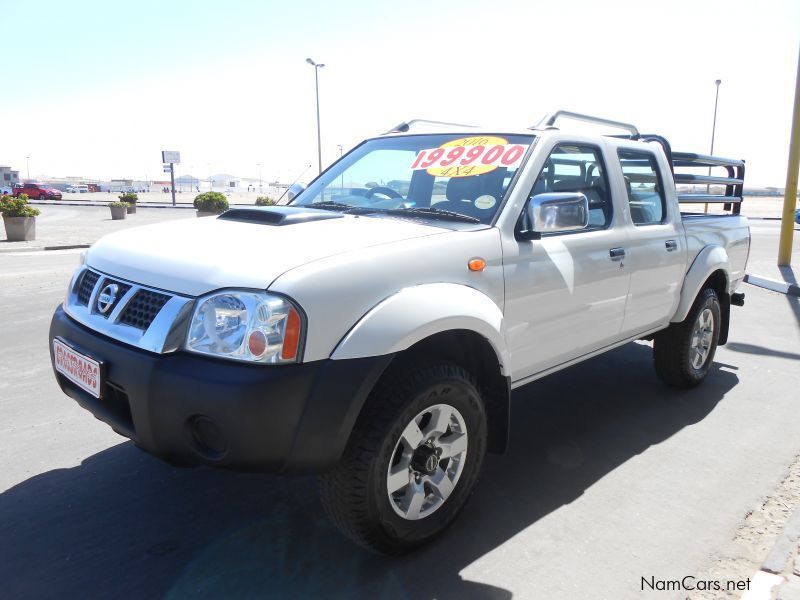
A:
x: 657, y: 252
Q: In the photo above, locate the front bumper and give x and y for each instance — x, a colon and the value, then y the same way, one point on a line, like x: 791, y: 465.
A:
x: 186, y: 408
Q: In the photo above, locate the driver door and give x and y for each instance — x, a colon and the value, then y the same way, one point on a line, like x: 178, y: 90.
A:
x: 566, y: 292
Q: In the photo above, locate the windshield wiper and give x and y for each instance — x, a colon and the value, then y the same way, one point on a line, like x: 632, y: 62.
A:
x: 330, y: 205
x: 432, y: 213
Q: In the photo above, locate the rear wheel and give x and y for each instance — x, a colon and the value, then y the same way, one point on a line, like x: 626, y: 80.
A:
x: 412, y: 461
x: 683, y: 352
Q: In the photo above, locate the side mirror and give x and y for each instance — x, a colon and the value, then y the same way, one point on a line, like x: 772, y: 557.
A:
x: 554, y: 212
x: 295, y: 190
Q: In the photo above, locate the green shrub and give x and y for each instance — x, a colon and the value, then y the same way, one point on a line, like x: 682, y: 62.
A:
x: 17, y: 207
x: 265, y: 201
x: 129, y: 197
x: 119, y: 204
x: 212, y: 202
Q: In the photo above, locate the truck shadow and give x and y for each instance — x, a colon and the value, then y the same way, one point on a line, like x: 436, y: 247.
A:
x: 124, y: 524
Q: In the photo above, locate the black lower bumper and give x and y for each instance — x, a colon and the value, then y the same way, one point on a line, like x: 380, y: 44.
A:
x: 190, y: 409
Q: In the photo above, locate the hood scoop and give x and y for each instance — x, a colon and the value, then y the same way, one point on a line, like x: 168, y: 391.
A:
x: 277, y: 215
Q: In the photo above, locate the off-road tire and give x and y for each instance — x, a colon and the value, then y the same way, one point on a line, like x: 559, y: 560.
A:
x: 672, y: 347
x: 354, y: 494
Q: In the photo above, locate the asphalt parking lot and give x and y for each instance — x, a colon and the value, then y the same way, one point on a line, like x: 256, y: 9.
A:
x: 610, y: 477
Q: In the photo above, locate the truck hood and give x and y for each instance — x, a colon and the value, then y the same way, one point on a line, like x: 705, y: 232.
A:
x: 196, y: 256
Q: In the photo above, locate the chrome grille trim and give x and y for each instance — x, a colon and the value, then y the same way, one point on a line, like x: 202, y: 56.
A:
x: 164, y: 334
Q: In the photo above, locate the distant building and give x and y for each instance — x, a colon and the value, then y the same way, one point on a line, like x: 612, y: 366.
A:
x: 224, y: 182
x: 187, y: 183
x: 8, y: 177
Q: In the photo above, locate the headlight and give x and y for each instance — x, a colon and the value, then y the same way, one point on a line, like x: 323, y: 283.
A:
x: 248, y: 326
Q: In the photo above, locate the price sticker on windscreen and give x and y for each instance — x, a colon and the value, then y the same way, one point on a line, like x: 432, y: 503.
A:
x: 469, y: 156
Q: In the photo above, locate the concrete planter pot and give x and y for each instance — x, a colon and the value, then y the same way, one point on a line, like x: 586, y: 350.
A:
x: 131, y: 209
x: 20, y: 229
x: 118, y: 212
x: 201, y: 213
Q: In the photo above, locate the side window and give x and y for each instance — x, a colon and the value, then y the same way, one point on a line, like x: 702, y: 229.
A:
x: 577, y: 168
x: 645, y: 192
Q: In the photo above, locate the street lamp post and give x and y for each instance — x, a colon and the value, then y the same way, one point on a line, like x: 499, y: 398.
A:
x: 259, y: 165
x: 713, y: 133
x: 341, y: 185
x: 28, y: 166
x: 714, y: 125
x: 317, y: 67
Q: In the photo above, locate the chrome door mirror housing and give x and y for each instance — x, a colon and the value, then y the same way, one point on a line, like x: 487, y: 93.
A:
x: 553, y: 212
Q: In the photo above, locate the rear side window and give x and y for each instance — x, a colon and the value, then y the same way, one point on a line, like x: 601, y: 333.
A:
x: 578, y: 168
x: 643, y: 184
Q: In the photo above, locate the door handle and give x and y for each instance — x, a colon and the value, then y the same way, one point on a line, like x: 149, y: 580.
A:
x: 671, y: 245
x: 617, y: 253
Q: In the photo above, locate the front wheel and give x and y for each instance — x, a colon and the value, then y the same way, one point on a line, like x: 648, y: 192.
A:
x: 412, y: 461
x: 683, y: 352
x: 42, y: 197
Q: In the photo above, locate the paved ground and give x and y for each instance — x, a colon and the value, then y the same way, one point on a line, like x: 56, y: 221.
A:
x: 82, y: 225
x: 611, y: 477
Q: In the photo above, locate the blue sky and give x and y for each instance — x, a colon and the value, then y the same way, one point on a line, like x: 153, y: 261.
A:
x: 104, y: 86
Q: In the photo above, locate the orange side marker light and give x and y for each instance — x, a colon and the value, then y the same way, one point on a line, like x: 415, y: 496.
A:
x: 476, y: 264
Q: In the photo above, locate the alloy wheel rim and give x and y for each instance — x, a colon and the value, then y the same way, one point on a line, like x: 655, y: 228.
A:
x: 427, y: 462
x: 702, y: 338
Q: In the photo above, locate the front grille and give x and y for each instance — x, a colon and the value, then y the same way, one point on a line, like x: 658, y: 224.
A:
x: 85, y: 286
x: 139, y: 316
x: 143, y: 308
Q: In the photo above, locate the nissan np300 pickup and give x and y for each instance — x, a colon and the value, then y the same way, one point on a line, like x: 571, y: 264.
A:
x: 372, y: 330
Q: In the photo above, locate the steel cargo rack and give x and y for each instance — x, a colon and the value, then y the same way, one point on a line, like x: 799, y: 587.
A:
x: 679, y: 162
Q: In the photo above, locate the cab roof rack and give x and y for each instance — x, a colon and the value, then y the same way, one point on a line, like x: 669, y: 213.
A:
x: 406, y: 125
x: 550, y: 121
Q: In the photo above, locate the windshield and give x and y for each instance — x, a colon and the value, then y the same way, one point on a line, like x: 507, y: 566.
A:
x: 444, y: 176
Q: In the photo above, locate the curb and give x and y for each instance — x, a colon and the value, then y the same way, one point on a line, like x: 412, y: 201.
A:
x: 770, y: 575
x: 43, y: 248
x: 185, y: 205
x: 784, y: 546
x: 101, y: 204
x: 790, y: 289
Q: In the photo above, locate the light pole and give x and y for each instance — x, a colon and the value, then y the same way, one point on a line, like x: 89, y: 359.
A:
x: 28, y: 166
x: 317, y: 67
x: 713, y: 133
x: 714, y: 126
x: 341, y: 184
x: 259, y: 165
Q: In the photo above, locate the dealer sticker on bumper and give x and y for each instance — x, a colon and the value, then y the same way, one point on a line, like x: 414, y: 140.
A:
x: 78, y: 368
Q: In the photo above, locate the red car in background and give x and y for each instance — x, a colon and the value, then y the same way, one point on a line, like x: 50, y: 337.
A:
x: 37, y: 191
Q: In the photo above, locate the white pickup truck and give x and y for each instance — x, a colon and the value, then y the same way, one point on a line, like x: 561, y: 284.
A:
x: 373, y: 329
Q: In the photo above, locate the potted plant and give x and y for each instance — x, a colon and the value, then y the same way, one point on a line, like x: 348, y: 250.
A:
x: 210, y: 203
x: 265, y: 201
x: 118, y: 210
x: 131, y: 199
x: 18, y: 218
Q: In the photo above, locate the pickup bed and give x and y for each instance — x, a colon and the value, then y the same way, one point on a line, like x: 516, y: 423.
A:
x: 373, y: 329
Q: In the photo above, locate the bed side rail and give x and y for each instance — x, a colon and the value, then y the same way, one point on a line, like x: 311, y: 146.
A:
x: 733, y: 180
